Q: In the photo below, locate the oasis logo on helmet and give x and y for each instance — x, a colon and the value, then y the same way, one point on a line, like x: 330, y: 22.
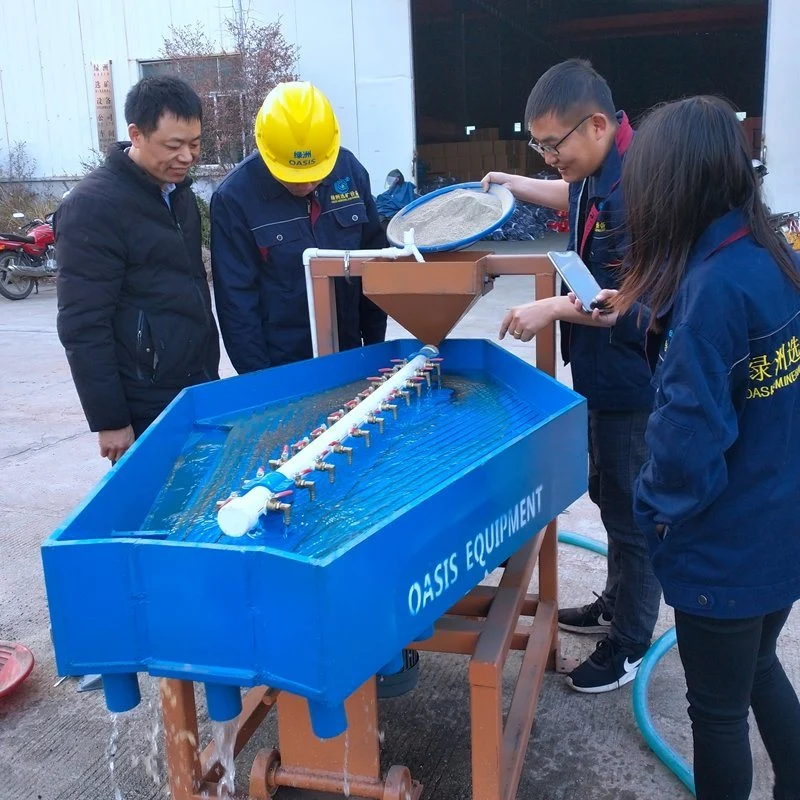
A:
x: 302, y: 158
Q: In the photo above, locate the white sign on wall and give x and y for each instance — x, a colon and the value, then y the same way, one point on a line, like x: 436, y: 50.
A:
x: 104, y: 106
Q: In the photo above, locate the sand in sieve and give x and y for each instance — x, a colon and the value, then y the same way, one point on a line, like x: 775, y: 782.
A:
x: 449, y: 218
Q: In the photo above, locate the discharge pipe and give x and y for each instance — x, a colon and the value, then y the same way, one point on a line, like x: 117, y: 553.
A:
x: 241, y: 514
x: 408, y: 249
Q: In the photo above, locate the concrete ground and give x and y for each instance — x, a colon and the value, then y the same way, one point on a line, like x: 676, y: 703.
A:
x: 54, y: 741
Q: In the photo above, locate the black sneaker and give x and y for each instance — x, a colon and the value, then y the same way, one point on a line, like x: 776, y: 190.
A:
x: 586, y: 619
x: 608, y: 668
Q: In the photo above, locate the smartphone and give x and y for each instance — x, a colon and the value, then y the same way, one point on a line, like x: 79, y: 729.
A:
x: 579, y: 280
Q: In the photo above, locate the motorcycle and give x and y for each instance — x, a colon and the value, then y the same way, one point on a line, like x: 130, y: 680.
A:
x: 27, y: 257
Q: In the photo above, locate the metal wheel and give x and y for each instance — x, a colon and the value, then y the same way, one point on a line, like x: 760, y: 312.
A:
x: 398, y: 784
x: 262, y: 774
x: 13, y: 288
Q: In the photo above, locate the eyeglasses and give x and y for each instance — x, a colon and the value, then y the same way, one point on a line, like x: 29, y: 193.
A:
x: 552, y: 149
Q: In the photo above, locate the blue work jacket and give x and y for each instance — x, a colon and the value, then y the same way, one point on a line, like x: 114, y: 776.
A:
x: 395, y: 199
x: 723, y: 474
x: 259, y: 231
x: 609, y: 365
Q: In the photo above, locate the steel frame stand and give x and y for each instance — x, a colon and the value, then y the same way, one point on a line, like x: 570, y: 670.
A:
x: 485, y: 625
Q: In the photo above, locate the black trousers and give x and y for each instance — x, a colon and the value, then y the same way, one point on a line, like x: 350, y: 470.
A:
x: 632, y: 593
x: 731, y: 665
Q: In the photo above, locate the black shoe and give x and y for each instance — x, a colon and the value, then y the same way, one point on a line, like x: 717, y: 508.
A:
x: 608, y: 668
x: 586, y: 619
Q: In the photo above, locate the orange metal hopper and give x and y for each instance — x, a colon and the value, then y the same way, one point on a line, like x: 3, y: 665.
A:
x: 427, y: 298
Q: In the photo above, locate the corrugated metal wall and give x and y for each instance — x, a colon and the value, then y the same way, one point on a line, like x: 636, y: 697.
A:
x: 782, y: 108
x: 357, y: 51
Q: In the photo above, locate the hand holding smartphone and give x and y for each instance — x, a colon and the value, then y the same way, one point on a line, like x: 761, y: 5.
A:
x: 578, y: 278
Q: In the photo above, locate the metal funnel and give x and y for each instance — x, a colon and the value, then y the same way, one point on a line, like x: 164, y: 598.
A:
x: 427, y: 298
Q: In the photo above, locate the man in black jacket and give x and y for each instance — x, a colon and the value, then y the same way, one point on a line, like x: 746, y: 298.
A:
x: 134, y: 308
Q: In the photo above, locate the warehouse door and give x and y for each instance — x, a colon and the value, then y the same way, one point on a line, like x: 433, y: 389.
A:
x: 475, y: 62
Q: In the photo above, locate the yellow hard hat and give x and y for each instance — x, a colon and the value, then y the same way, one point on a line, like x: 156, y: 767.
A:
x: 297, y: 133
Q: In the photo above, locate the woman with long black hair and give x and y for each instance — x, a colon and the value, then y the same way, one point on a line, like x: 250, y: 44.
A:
x: 719, y: 496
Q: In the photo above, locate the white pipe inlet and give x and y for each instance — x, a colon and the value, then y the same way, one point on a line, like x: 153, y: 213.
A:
x: 408, y: 249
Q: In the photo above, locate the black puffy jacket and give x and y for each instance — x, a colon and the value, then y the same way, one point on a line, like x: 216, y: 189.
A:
x: 134, y: 308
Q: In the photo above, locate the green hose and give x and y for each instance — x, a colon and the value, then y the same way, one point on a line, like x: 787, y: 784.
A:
x: 641, y: 709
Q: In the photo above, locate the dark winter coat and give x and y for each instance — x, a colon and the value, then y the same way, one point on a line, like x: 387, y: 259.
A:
x: 134, y: 307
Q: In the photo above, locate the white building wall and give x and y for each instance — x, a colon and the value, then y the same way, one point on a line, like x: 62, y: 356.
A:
x: 357, y: 51
x: 781, y: 108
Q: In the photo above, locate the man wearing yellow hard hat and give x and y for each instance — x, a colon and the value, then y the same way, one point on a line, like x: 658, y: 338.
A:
x: 300, y: 190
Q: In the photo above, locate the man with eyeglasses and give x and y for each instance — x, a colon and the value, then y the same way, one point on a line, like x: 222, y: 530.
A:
x: 574, y: 126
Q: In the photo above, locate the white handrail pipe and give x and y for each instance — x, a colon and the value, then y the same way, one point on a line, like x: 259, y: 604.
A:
x: 408, y: 249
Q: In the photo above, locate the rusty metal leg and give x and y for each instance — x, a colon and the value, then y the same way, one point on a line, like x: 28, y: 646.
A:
x: 546, y: 338
x: 325, y: 306
x: 346, y: 765
x: 181, y: 738
x: 548, y: 585
x: 486, y: 675
x: 498, y: 750
x: 486, y: 713
x: 526, y: 696
x: 355, y: 751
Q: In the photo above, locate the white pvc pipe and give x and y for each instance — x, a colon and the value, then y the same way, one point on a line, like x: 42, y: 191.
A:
x: 240, y: 515
x: 408, y: 249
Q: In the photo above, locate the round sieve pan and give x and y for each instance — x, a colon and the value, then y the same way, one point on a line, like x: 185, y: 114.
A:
x: 394, y: 230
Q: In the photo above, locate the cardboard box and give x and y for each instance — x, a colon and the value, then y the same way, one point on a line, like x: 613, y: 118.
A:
x: 428, y: 152
x: 477, y: 168
x: 497, y: 164
x: 463, y: 166
x: 463, y: 149
x: 485, y: 134
x: 450, y: 150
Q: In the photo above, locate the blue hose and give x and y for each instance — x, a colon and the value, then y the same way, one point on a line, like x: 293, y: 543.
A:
x: 641, y: 709
x: 583, y: 541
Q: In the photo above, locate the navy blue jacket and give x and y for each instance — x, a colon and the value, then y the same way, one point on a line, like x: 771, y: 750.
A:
x: 609, y: 365
x: 395, y: 199
x: 258, y: 233
x: 724, y: 468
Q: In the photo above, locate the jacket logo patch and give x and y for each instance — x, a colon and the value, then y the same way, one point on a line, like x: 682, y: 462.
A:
x: 344, y: 191
x: 768, y: 375
x: 600, y: 227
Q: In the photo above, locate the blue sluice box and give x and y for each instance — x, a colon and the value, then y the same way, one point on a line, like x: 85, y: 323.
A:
x: 141, y: 579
